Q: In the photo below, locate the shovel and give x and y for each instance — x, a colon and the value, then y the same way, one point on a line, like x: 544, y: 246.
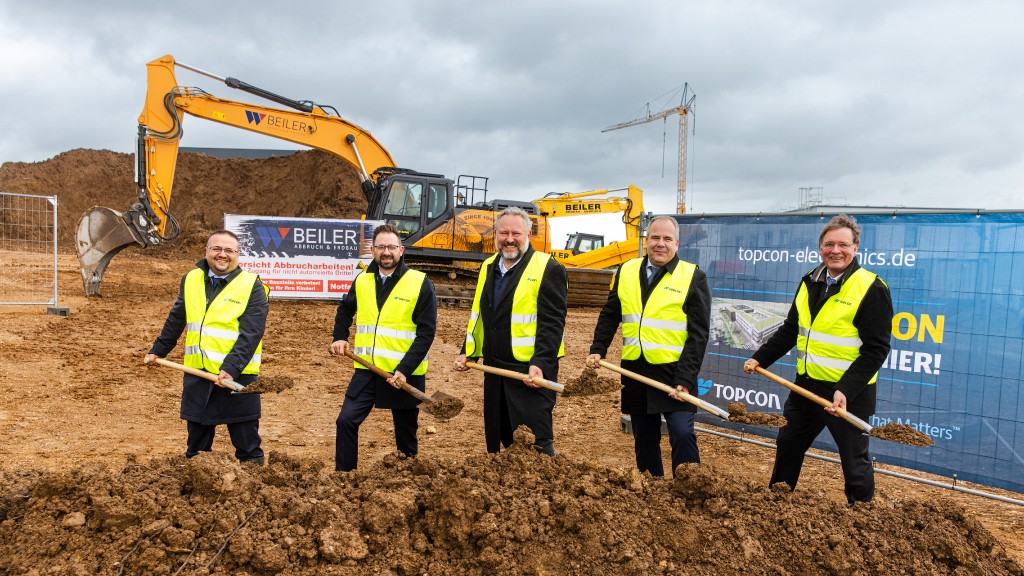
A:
x: 668, y: 389
x: 431, y: 402
x: 517, y: 375
x: 201, y: 373
x: 841, y: 412
x: 892, y: 431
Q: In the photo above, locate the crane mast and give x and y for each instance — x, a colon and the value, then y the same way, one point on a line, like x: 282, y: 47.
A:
x: 684, y: 110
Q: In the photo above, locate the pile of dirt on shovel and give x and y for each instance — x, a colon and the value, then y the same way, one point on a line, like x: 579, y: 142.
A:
x: 589, y: 383
x: 308, y: 183
x: 517, y: 512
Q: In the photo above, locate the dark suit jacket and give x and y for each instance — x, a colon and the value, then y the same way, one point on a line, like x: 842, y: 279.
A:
x: 874, y: 326
x: 639, y: 398
x: 425, y: 317
x: 530, y: 406
x: 551, y: 312
x: 201, y: 400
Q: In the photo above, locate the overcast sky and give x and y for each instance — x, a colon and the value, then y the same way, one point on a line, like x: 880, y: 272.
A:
x: 878, y: 102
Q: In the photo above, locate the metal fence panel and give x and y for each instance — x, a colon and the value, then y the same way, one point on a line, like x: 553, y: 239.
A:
x: 28, y: 249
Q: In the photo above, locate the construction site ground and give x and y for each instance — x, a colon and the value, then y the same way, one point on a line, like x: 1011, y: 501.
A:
x: 92, y: 478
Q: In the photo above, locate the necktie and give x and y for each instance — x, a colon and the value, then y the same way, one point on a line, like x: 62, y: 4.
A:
x: 652, y: 271
x: 829, y: 281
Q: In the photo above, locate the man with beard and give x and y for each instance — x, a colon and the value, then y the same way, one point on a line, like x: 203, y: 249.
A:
x: 840, y: 323
x: 516, y: 323
x: 223, y: 311
x: 395, y: 324
x: 664, y: 306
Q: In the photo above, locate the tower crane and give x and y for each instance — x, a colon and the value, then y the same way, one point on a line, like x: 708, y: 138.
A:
x: 684, y: 109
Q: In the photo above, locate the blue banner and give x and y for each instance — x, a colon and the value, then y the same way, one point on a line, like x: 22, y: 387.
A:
x: 954, y: 372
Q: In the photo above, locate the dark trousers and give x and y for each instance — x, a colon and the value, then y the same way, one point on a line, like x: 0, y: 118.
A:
x: 532, y: 409
x: 647, y: 440
x: 245, y: 436
x: 353, y: 411
x: 805, y: 420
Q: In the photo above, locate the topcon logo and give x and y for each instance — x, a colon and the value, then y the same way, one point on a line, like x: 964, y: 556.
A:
x: 254, y: 117
x: 738, y: 394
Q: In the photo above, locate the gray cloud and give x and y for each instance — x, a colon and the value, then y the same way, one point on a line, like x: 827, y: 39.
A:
x: 880, y: 103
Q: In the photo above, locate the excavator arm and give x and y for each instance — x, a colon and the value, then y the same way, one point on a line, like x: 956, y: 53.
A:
x: 598, y: 202
x: 103, y: 232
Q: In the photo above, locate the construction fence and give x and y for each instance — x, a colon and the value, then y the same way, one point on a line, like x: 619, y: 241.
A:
x: 28, y: 249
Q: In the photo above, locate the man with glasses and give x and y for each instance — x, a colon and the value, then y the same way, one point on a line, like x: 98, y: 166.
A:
x: 664, y: 306
x: 395, y: 324
x: 223, y: 311
x: 840, y: 323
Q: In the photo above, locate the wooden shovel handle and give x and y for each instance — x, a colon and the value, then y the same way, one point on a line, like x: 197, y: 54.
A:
x: 197, y: 372
x: 666, y: 388
x: 517, y: 375
x: 385, y: 375
x: 841, y: 412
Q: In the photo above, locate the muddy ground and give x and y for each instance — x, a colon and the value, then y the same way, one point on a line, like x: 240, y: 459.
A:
x: 92, y: 479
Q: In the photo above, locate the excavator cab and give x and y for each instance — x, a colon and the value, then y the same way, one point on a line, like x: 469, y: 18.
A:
x: 580, y: 243
x: 413, y: 202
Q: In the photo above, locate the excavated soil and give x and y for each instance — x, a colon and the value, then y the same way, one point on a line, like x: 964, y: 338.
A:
x: 739, y: 414
x: 903, y: 434
x: 446, y: 408
x: 590, y: 382
x: 92, y: 480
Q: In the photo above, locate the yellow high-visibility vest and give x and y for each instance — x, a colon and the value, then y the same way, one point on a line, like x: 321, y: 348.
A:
x: 385, y: 334
x: 210, y: 333
x: 658, y: 330
x: 524, y: 310
x: 828, y: 346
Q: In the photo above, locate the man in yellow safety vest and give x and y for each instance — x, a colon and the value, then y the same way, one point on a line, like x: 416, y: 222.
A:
x: 223, y: 311
x: 840, y: 323
x: 664, y: 306
x: 516, y: 323
x: 396, y: 315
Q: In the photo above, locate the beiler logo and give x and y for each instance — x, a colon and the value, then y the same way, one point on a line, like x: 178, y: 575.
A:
x: 272, y: 237
x: 254, y: 117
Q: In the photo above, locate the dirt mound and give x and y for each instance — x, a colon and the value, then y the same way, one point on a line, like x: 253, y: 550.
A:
x: 306, y: 184
x: 518, y: 512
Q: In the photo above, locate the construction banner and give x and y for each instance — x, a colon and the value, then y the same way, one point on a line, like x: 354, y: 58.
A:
x: 954, y: 371
x: 303, y: 257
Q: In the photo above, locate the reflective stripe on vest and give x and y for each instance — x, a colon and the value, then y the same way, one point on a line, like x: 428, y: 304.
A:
x: 828, y: 346
x: 658, y: 329
x: 385, y: 334
x: 523, y: 335
x: 210, y: 333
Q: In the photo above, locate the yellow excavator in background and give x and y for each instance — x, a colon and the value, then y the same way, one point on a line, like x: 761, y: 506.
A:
x: 443, y: 226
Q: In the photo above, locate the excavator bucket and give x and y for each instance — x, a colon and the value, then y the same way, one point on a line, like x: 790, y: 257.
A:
x: 101, y: 234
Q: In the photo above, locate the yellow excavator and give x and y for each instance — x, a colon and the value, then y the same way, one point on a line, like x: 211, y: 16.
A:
x: 443, y: 224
